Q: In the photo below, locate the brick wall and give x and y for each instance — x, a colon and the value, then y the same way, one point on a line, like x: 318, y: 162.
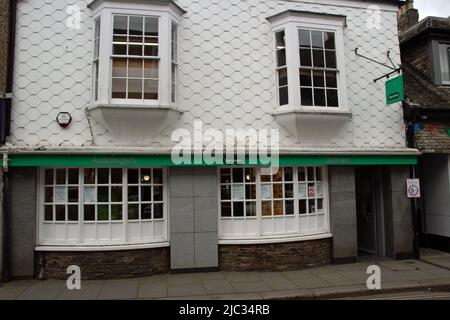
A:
x: 276, y: 256
x: 104, y: 264
x: 418, y: 56
x: 4, y: 22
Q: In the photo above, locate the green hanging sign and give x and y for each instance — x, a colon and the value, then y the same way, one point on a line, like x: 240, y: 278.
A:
x: 394, y: 90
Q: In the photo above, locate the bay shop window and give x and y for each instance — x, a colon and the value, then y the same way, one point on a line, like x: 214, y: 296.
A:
x: 102, y: 206
x: 291, y: 202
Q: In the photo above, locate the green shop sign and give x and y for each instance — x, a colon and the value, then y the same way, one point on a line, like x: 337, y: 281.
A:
x: 60, y: 160
x: 394, y: 90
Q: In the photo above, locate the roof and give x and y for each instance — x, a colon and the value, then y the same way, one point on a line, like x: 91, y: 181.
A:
x: 428, y: 25
x: 421, y: 93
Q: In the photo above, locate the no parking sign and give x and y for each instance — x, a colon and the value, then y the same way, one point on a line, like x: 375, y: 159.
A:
x: 413, y: 188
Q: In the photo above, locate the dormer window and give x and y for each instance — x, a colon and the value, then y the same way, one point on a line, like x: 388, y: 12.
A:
x: 444, y: 60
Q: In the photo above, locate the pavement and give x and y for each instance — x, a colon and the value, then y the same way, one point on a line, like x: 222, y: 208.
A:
x: 438, y: 258
x: 326, y: 282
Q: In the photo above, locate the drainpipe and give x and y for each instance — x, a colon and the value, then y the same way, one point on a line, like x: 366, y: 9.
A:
x: 6, y: 221
x: 6, y: 132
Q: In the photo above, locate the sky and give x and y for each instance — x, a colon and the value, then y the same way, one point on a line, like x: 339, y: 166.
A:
x: 436, y: 8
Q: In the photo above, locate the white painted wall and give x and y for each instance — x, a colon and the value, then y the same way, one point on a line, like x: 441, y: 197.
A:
x: 436, y: 182
x: 226, y: 67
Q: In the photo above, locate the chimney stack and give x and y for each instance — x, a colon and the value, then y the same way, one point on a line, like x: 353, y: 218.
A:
x: 407, y: 16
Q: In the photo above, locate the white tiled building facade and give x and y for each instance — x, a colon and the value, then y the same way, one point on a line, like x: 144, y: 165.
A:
x: 260, y: 64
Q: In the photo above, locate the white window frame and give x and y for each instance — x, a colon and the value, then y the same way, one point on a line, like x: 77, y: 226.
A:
x: 80, y: 243
x: 441, y: 67
x: 297, y: 233
x: 167, y: 15
x: 291, y: 22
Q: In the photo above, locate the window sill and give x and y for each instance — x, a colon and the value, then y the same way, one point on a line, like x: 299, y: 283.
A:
x: 281, y: 239
x: 134, y: 124
x: 314, y: 124
x: 84, y: 248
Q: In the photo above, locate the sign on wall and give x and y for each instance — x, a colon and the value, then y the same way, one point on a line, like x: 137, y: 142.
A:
x: 394, y: 90
x: 413, y: 188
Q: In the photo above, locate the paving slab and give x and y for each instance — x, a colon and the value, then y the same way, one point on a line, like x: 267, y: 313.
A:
x: 278, y: 284
x: 44, y: 290
x: 219, y: 286
x: 181, y: 290
x: 88, y: 291
x: 152, y: 289
x: 336, y: 279
x: 242, y: 276
x: 119, y: 289
x: 254, y: 286
x: 311, y: 283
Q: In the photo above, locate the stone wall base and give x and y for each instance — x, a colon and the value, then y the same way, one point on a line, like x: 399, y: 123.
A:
x: 103, y: 264
x: 276, y: 256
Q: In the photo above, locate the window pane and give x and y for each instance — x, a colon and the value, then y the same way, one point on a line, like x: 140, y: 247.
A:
x: 49, y: 176
x: 319, y: 205
x: 146, y: 176
x: 120, y: 48
x: 250, y: 191
x: 318, y: 58
x: 102, y: 194
x: 284, y: 96
x: 225, y: 192
x: 60, y: 176
x: 306, y: 96
x: 289, y: 190
x: 225, y: 175
x: 158, y: 211
x: 329, y: 40
x: 133, y: 194
x: 288, y: 174
x: 89, y: 213
x: 316, y: 39
x: 266, y: 191
x: 151, y: 47
x: 267, y: 208
x: 331, y: 79
x: 49, y: 194
x: 281, y: 43
x: 102, y: 212
x: 116, y: 194
x: 281, y: 57
x: 225, y: 209
x: 119, y: 87
x: 282, y: 77
x: 116, y: 176
x: 301, y: 174
x: 444, y: 57
x: 318, y: 78
x: 151, y: 26
x: 133, y: 176
x: 310, y: 173
x: 120, y: 24
x: 238, y: 209
x: 302, y: 193
x: 157, y: 176
x: 278, y: 176
x: 73, y: 176
x: 73, y: 213
x: 73, y: 194
x: 151, y: 69
x: 331, y: 59
x: 134, y: 89
x: 136, y: 25
x: 60, y: 213
x: 146, y: 193
x: 135, y: 50
x: 116, y: 212
x: 157, y: 193
x: 238, y: 175
x: 151, y: 89
x: 250, y: 174
x: 305, y: 57
x: 312, y: 206
x: 319, y: 97
x: 318, y: 174
x: 289, y: 207
x: 135, y: 68
x: 48, y: 216
x: 304, y: 38
x: 250, y: 209
x: 278, y: 191
x: 278, y: 208
x: 332, y: 98
x: 133, y: 212
x: 146, y: 211
x: 302, y: 206
x: 103, y: 176
x: 305, y: 78
x: 89, y: 176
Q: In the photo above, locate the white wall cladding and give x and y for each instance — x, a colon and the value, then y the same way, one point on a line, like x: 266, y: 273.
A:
x: 227, y: 76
